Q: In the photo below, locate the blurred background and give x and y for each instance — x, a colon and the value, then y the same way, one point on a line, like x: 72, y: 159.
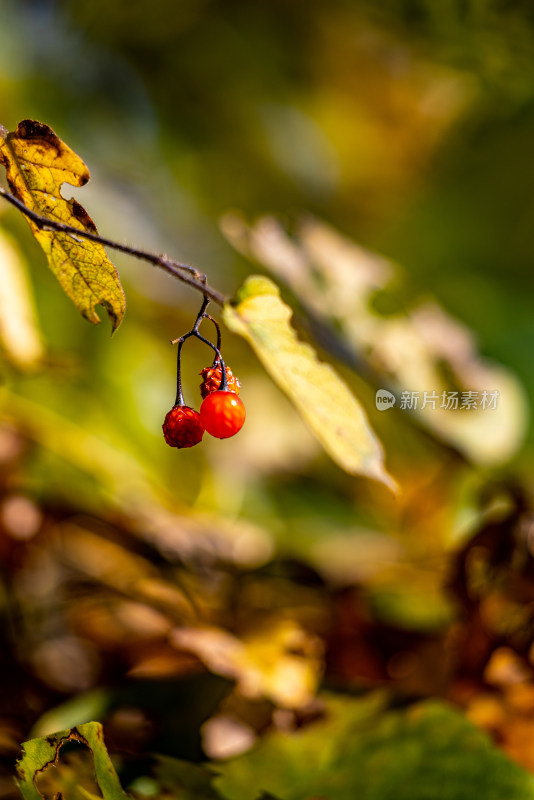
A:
x: 375, y: 159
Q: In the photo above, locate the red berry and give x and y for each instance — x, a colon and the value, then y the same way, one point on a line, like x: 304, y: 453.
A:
x: 211, y: 380
x: 222, y: 414
x: 182, y: 427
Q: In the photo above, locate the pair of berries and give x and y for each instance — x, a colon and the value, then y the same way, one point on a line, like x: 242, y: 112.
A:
x: 222, y: 412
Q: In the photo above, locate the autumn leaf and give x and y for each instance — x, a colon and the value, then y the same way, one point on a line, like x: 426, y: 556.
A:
x: 37, y: 164
x: 40, y: 754
x: 321, y: 397
x: 279, y: 660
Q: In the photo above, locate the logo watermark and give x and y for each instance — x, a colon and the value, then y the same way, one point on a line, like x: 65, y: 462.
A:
x: 384, y: 400
x: 451, y: 401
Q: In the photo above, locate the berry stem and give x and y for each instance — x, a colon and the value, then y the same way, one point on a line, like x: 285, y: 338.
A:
x: 195, y: 332
x: 202, y: 313
x: 218, y: 356
x: 179, y: 393
x: 224, y: 378
x: 217, y: 328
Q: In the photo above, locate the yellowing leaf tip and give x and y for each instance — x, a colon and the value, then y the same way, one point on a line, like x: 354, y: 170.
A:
x: 254, y: 286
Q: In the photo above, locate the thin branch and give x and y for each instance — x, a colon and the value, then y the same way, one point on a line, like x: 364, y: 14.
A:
x: 183, y: 272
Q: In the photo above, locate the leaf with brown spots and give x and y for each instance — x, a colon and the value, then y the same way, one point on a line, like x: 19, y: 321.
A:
x: 41, y: 755
x: 38, y: 163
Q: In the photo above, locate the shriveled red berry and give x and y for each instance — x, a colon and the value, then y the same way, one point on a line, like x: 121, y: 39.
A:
x: 211, y: 380
x: 182, y: 427
x: 222, y: 414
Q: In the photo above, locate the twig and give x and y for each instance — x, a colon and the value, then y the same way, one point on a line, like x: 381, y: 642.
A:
x: 217, y: 348
x: 183, y: 272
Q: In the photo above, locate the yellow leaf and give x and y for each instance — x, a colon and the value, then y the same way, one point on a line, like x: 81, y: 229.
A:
x: 321, y: 397
x: 279, y: 661
x: 19, y: 329
x: 420, y: 350
x: 37, y: 164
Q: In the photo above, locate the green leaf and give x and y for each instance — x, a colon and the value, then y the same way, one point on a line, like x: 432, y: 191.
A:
x: 362, y: 750
x: 37, y: 164
x: 180, y: 779
x: 39, y: 754
x: 321, y: 397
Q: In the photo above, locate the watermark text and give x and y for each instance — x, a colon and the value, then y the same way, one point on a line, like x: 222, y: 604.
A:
x: 485, y: 400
